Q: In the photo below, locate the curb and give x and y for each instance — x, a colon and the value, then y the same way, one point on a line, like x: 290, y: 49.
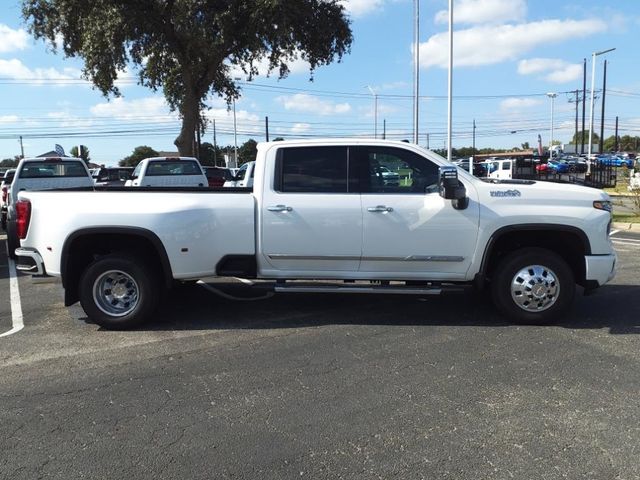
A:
x: 630, y: 227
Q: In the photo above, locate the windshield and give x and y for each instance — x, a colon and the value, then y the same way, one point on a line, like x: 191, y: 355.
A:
x: 49, y: 169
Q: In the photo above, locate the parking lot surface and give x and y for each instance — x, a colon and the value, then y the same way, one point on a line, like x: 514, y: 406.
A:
x: 322, y: 386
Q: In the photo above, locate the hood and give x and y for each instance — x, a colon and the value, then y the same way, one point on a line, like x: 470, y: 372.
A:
x: 554, y: 192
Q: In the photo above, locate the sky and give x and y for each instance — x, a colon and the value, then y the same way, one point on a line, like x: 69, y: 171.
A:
x: 508, y: 55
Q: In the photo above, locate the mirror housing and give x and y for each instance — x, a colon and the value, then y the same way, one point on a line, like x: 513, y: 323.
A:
x: 451, y: 188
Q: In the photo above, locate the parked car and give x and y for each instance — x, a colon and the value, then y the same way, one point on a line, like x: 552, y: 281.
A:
x: 615, y: 161
x: 244, y: 176
x: 4, y: 192
x: 557, y: 166
x: 542, y: 168
x: 42, y: 174
x: 111, y: 176
x: 217, y: 176
x: 388, y: 177
x: 168, y: 172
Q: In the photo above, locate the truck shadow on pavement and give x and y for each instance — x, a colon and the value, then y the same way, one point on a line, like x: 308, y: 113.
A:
x: 614, y: 307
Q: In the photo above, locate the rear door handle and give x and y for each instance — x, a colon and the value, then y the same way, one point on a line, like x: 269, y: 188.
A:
x: 380, y: 209
x: 279, y: 208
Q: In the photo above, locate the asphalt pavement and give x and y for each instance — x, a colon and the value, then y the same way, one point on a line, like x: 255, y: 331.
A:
x: 322, y: 386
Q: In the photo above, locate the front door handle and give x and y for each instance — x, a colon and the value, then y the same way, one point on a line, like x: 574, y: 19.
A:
x: 380, y: 209
x: 279, y: 208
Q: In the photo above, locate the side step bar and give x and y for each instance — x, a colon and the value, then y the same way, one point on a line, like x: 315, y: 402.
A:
x: 371, y: 289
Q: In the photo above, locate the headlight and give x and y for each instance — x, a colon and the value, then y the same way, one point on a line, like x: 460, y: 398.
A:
x: 603, y: 205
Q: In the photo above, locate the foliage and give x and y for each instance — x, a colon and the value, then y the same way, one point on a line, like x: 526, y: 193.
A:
x: 626, y: 143
x: 8, y: 162
x: 84, y: 153
x: 525, y: 146
x: 577, y: 138
x: 188, y: 48
x: 247, y: 151
x: 139, y: 154
x: 210, y: 155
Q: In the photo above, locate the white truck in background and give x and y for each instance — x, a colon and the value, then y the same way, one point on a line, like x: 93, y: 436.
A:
x: 243, y: 178
x: 168, y: 172
x: 321, y: 211
x: 42, y: 173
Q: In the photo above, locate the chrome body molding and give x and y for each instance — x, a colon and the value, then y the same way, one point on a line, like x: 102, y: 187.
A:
x: 411, y: 258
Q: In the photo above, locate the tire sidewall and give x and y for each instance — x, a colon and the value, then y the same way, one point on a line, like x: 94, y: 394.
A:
x: 515, y: 261
x: 148, y: 294
x: 12, y: 240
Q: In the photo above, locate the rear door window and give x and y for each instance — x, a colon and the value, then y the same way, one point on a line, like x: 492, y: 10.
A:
x: 313, y: 170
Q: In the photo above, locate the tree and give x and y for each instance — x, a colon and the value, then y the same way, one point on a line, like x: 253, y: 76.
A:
x: 577, y: 139
x: 84, y: 153
x: 210, y: 155
x: 8, y: 162
x: 139, y: 154
x: 525, y: 146
x: 188, y: 48
x: 247, y: 151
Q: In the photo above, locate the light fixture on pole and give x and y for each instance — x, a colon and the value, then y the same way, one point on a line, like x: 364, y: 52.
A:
x: 375, y: 111
x: 593, y: 81
x: 552, y: 96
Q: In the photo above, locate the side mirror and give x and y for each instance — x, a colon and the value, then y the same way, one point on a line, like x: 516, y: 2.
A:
x: 452, y: 189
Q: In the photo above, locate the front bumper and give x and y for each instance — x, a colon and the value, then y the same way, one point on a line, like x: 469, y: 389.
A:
x: 30, y: 261
x: 599, y: 269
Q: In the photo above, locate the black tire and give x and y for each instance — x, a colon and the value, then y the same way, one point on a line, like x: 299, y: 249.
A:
x: 12, y: 241
x: 3, y: 221
x: 136, y: 300
x: 538, y: 295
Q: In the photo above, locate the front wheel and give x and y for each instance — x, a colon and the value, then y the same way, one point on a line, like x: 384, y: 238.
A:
x: 118, y: 292
x: 533, y: 286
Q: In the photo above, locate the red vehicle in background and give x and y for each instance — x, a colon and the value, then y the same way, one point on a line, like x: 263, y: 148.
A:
x: 216, y: 176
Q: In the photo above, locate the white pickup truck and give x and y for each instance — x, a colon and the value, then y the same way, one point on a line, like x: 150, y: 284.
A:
x: 168, y: 172
x: 321, y: 212
x: 43, y: 173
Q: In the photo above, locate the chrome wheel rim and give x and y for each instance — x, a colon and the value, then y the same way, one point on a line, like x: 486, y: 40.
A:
x: 116, y: 293
x: 535, y: 288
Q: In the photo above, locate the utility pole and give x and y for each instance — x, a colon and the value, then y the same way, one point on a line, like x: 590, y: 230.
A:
x: 215, y: 145
x: 617, y: 139
x: 604, y: 93
x: 384, y: 128
x: 473, y: 148
x: 584, y: 102
x: 21, y: 148
x: 266, y: 128
x: 577, y: 101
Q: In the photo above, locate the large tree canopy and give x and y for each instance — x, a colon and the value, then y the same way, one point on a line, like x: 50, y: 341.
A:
x: 187, y: 48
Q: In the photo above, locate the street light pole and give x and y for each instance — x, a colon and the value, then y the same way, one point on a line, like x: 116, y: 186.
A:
x: 552, y: 96
x: 375, y: 112
x: 593, y: 81
x: 450, y: 84
x: 416, y: 67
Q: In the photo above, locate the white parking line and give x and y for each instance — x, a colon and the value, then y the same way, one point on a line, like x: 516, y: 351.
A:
x: 16, y: 306
x: 626, y: 241
x: 614, y: 232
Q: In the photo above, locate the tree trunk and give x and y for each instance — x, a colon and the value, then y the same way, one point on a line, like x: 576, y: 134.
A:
x: 189, y: 110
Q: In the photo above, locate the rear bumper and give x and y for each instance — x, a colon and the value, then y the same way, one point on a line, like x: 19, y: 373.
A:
x: 30, y: 261
x: 600, y: 269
